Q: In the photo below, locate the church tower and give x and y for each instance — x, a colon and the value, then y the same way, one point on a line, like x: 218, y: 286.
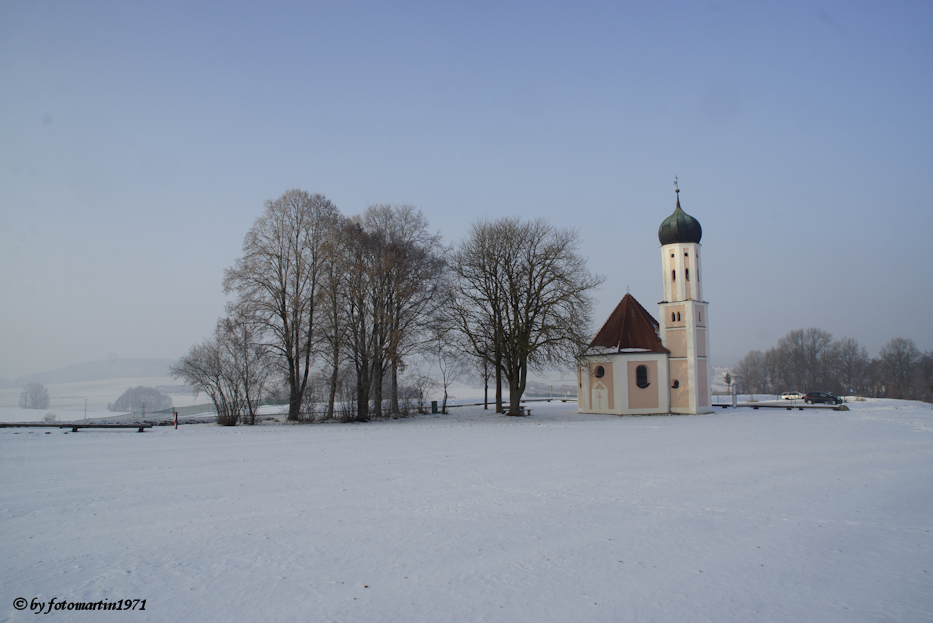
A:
x: 683, y: 313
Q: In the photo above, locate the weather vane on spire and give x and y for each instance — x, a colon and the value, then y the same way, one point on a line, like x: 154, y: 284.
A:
x: 676, y: 187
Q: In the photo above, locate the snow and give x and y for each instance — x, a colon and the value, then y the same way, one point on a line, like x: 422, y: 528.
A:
x: 737, y: 515
x: 67, y: 400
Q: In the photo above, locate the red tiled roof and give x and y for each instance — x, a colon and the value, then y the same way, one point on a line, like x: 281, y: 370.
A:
x: 629, y: 326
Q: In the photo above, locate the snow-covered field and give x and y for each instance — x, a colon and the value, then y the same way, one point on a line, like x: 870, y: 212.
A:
x: 740, y: 515
x: 67, y: 400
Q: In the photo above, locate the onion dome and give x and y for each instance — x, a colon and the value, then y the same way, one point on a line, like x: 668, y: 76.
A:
x: 679, y: 227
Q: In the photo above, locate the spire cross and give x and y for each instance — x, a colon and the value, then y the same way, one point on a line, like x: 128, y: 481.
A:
x: 676, y: 187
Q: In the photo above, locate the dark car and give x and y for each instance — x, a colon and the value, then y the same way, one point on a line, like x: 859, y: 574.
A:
x: 815, y: 397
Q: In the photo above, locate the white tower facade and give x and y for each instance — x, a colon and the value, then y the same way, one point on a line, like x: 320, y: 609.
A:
x: 684, y: 317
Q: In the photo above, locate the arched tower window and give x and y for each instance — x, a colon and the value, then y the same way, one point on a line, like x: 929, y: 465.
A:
x: 673, y: 275
x: 641, y: 377
x: 687, y: 273
x: 672, y: 317
x: 678, y: 316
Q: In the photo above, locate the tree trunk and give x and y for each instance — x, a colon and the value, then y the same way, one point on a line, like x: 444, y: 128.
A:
x: 498, y: 381
x: 378, y: 375
x: 362, y: 392
x: 332, y: 393
x: 294, y: 397
x: 394, y: 397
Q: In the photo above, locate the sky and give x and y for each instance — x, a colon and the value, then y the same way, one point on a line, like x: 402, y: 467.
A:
x: 139, y: 141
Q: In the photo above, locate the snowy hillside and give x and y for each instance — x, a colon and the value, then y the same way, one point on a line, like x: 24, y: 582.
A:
x: 739, y: 515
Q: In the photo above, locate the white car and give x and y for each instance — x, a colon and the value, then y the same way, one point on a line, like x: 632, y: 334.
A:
x: 792, y: 396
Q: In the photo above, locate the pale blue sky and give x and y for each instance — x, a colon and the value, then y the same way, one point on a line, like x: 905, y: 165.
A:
x: 138, y: 143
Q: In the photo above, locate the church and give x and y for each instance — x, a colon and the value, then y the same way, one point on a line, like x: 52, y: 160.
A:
x: 637, y: 365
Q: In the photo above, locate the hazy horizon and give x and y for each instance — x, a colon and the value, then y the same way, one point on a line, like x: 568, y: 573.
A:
x: 140, y: 142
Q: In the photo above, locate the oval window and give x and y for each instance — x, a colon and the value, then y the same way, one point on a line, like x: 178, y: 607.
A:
x: 599, y: 372
x: 641, y: 377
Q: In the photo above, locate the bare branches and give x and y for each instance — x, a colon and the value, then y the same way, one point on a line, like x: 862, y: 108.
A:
x: 278, y: 281
x: 230, y: 367
x: 522, y: 290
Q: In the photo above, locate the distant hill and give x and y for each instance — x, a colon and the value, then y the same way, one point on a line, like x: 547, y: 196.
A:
x: 97, y: 371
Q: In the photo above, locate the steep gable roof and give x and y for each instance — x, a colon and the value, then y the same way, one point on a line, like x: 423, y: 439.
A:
x: 629, y: 326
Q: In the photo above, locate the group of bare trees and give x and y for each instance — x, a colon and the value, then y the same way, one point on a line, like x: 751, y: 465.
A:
x: 327, y: 306
x: 34, y: 396
x: 141, y: 399
x: 811, y: 360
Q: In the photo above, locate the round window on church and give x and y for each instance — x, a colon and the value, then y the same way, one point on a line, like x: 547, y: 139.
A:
x: 599, y: 372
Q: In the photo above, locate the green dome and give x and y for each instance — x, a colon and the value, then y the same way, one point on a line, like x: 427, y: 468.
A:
x: 679, y: 227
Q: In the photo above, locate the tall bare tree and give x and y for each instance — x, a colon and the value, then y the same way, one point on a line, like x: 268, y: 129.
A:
x: 409, y: 268
x: 899, y: 360
x: 334, y: 326
x: 851, y: 359
x: 277, y: 281
x: 524, y: 286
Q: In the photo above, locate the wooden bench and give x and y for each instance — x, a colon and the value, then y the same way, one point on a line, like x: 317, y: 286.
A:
x: 74, y: 427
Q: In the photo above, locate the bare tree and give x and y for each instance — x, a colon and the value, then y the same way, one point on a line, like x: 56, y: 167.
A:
x: 851, y: 359
x: 359, y: 251
x: 230, y: 368
x: 410, y: 266
x: 333, y: 332
x: 522, y: 287
x: 247, y: 360
x: 926, y: 377
x: 447, y: 354
x: 778, y: 380
x: 277, y: 281
x: 806, y: 356
x: 899, y: 360
x: 751, y: 374
x: 34, y: 396
x: 392, y: 270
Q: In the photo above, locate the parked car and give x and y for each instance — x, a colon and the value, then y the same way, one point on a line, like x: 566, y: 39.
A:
x: 791, y: 396
x: 815, y: 397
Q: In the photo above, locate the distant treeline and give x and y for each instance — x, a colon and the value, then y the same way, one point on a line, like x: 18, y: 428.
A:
x: 811, y: 360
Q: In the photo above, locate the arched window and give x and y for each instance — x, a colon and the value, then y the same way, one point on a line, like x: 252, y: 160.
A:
x: 678, y: 316
x: 672, y: 317
x: 641, y: 377
x: 673, y: 275
x: 699, y: 316
x: 687, y: 275
x: 600, y: 372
